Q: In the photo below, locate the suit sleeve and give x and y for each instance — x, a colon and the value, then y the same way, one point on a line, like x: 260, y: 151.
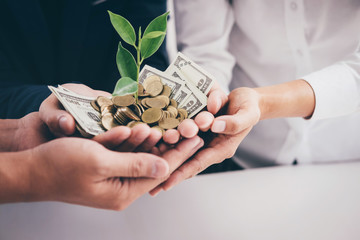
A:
x: 17, y: 98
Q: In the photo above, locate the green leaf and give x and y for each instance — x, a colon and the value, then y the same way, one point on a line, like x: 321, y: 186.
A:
x: 125, y: 86
x: 123, y: 27
x: 154, y: 34
x: 126, y: 63
x: 150, y: 45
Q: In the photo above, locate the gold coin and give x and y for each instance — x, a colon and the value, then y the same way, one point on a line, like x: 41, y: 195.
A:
x: 153, y: 85
x: 141, y: 92
x: 95, y: 106
x: 173, y: 103
x: 137, y: 109
x: 107, y: 109
x: 108, y: 121
x: 123, y: 101
x: 152, y: 115
x: 183, y: 111
x: 166, y: 114
x: 130, y: 114
x: 151, y: 79
x: 159, y: 129
x: 181, y: 116
x: 166, y: 91
x: 169, y: 123
x: 164, y: 98
x: 103, y: 101
x: 173, y: 111
x: 133, y: 124
x: 155, y: 102
x: 143, y: 102
x: 120, y: 118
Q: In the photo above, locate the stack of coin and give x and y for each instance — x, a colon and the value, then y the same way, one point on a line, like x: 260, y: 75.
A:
x: 154, y: 107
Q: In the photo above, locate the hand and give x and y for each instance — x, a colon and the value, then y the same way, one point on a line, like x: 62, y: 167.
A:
x: 30, y: 132
x: 189, y: 128
x: 60, y: 122
x: 243, y: 112
x: 86, y: 173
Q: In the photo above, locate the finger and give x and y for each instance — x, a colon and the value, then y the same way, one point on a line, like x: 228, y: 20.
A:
x: 135, y: 165
x: 163, y: 147
x: 182, y: 151
x: 234, y: 124
x: 155, y: 151
x: 139, y: 133
x: 188, y: 128
x: 175, y: 157
x: 204, y: 120
x: 171, y: 136
x: 84, y: 90
x: 114, y: 137
x: 218, y: 151
x: 59, y: 121
x: 156, y: 190
x: 216, y: 100
x: 150, y: 142
x: 194, y: 166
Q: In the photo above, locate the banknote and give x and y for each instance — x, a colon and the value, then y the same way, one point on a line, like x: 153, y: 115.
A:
x: 166, y: 79
x: 196, y: 100
x: 196, y: 74
x: 87, y: 118
x: 189, y: 85
x: 193, y: 104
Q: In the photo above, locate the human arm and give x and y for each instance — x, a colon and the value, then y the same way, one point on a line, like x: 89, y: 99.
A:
x: 85, y: 173
x: 245, y: 108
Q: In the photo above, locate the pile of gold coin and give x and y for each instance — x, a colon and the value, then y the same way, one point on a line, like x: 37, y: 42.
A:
x: 154, y: 107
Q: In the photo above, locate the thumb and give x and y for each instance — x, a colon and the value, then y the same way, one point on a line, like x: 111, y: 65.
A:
x: 216, y: 100
x: 136, y: 165
x: 234, y: 124
x: 60, y: 122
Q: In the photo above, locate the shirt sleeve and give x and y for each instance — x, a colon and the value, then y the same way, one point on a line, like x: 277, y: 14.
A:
x: 336, y: 88
x: 17, y: 101
x: 202, y: 33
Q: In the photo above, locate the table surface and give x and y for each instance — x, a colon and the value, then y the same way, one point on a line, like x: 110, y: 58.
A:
x: 293, y: 202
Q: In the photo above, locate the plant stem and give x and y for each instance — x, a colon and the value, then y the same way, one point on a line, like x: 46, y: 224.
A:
x: 138, y: 64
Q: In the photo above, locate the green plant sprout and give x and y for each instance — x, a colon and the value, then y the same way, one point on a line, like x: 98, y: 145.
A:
x: 145, y: 46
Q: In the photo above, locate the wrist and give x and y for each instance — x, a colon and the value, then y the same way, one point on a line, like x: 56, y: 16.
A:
x: 15, y: 173
x: 8, y: 131
x: 290, y: 99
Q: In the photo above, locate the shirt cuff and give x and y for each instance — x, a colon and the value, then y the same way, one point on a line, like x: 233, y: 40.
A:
x: 336, y: 91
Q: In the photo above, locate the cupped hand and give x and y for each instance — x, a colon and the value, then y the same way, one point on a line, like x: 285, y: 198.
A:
x: 190, y: 128
x: 30, y: 132
x: 60, y: 122
x: 227, y: 132
x: 87, y: 173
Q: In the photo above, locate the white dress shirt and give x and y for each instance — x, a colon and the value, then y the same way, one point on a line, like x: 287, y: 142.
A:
x: 260, y: 42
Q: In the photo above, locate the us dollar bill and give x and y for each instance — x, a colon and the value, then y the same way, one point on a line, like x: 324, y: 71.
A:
x: 86, y: 117
x: 166, y: 79
x: 196, y: 100
x: 199, y: 77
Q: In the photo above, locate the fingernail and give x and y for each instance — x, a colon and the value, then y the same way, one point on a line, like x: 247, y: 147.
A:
x: 218, y: 104
x: 63, y: 123
x: 159, y: 169
x: 218, y: 126
x: 157, y: 193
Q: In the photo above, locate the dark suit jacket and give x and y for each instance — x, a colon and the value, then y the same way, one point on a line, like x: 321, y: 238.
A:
x: 86, y: 50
